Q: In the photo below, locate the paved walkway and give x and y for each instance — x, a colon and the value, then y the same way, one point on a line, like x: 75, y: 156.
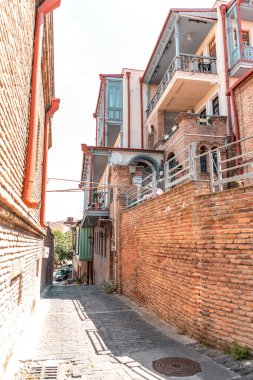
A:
x: 91, y: 335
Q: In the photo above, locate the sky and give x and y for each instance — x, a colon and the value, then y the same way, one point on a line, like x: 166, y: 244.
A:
x: 93, y: 37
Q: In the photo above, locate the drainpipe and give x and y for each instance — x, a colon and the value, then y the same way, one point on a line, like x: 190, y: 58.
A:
x: 141, y: 103
x: 128, y: 109
x: 87, y: 153
x: 237, y: 131
x: 95, y: 117
x: 54, y: 107
x: 47, y: 7
x: 104, y: 123
x: 223, y: 13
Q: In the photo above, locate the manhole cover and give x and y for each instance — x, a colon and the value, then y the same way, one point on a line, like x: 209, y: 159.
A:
x: 176, y: 366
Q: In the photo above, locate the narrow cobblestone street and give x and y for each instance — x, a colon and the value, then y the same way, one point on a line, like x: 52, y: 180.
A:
x: 91, y: 335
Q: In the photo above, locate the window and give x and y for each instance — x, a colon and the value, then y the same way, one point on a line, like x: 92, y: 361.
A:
x: 115, y: 100
x: 215, y: 103
x: 245, y: 38
x: 203, y: 159
x: 212, y: 48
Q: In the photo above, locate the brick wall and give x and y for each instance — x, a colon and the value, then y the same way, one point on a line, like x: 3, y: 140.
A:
x: 243, y: 100
x: 187, y: 255
x: 189, y: 131
x: 21, y: 236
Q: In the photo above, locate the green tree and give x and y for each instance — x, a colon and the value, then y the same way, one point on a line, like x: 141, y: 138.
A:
x: 63, y: 245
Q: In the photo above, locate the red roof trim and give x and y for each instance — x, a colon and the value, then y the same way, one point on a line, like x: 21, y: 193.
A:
x: 165, y: 23
x: 112, y: 75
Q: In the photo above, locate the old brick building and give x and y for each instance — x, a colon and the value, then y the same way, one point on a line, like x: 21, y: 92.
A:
x: 27, y: 103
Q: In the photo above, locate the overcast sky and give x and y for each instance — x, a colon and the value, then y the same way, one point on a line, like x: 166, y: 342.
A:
x: 93, y: 37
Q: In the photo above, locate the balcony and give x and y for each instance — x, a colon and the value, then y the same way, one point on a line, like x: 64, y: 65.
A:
x: 187, y: 128
x: 240, y: 65
x: 202, y: 67
x: 98, y: 207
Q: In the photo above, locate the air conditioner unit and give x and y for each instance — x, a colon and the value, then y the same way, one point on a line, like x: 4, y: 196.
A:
x: 203, y: 120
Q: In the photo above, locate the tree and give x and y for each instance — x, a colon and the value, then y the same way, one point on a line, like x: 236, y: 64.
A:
x: 63, y: 245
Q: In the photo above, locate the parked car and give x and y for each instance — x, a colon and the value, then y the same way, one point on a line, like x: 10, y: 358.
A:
x: 61, y: 274
x: 68, y: 268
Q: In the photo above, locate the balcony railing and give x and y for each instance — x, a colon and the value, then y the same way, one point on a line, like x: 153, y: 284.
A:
x: 228, y: 166
x: 100, y: 199
x: 185, y: 62
x: 248, y: 54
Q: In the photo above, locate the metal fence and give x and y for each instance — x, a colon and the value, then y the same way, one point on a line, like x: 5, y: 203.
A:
x: 225, y: 167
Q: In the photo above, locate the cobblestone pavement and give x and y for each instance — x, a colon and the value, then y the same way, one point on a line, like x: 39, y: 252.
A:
x: 91, y: 335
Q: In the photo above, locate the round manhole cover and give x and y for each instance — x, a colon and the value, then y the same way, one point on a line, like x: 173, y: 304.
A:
x: 176, y: 366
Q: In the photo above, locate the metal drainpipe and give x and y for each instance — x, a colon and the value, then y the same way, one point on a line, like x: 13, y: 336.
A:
x: 95, y: 117
x: 237, y: 131
x: 128, y: 110
x: 54, y: 107
x: 47, y: 7
x: 223, y: 12
x: 141, y: 104
x: 104, y: 123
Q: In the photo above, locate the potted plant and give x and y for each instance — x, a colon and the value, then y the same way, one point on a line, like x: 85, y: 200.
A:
x: 95, y: 199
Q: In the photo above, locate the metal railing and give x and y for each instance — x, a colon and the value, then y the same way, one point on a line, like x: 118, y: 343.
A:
x: 142, y: 192
x: 247, y: 52
x: 225, y: 167
x: 231, y: 165
x: 185, y: 62
x: 180, y: 168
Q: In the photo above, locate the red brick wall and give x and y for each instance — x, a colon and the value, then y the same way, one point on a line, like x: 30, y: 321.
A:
x: 244, y: 101
x: 21, y: 236
x: 188, y: 257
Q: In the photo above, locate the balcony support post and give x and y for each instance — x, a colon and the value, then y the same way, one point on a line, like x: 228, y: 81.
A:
x: 213, y: 68
x: 238, y: 33
x: 195, y: 64
x: 177, y: 44
x: 231, y: 47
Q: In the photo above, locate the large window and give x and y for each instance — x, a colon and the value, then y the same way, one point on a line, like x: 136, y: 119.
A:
x: 114, y: 100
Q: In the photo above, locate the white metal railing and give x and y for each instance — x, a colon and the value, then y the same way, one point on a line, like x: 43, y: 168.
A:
x: 142, y: 192
x: 225, y: 167
x: 185, y: 62
x: 180, y: 168
x: 231, y: 164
